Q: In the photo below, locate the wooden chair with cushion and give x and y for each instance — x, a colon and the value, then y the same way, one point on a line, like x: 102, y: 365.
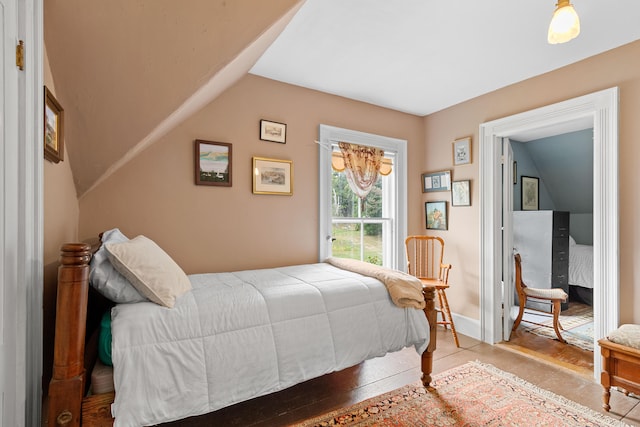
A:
x: 424, y: 261
x: 555, y: 296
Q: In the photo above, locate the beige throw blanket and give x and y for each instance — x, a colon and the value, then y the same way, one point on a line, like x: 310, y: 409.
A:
x: 405, y: 290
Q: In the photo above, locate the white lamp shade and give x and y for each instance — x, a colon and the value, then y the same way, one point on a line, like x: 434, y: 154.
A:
x: 565, y: 24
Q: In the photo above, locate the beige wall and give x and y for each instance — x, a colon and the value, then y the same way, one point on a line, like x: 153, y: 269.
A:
x: 216, y: 229
x: 619, y: 67
x: 61, y: 213
x: 220, y: 228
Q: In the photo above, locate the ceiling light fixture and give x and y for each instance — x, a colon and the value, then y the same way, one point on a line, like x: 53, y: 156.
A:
x: 565, y: 24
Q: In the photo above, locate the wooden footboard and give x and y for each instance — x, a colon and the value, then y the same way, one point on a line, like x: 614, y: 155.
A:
x: 68, y: 384
x: 429, y: 311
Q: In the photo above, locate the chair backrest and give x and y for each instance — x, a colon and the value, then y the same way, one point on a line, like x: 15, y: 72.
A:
x: 519, y: 283
x: 424, y: 257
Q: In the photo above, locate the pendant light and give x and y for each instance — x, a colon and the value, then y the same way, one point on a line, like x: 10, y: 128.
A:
x: 565, y: 24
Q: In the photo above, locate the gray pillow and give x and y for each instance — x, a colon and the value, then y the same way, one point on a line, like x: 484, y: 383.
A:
x: 106, y: 279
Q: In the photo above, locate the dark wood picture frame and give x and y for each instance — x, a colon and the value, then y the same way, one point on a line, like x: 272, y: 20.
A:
x: 530, y: 192
x: 273, y: 131
x: 53, y: 128
x: 436, y: 215
x: 213, y: 162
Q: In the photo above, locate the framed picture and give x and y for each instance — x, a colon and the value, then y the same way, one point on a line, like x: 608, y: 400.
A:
x: 530, y: 193
x: 436, y: 181
x: 462, y: 151
x: 271, y: 176
x: 461, y: 193
x: 272, y: 131
x: 212, y: 163
x: 436, y: 213
x: 53, y: 128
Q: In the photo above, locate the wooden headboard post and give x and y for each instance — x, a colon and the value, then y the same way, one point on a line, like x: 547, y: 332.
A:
x: 429, y: 293
x: 66, y: 388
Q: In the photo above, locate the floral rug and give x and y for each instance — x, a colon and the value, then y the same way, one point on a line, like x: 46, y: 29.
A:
x: 474, y: 394
x: 577, y: 322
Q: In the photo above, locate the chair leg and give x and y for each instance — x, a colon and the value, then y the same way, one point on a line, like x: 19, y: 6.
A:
x: 444, y: 322
x: 556, y: 322
x: 523, y: 302
x: 446, y: 312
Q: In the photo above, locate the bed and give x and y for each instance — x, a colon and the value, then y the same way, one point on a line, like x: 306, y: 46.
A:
x: 581, y: 272
x: 229, y: 337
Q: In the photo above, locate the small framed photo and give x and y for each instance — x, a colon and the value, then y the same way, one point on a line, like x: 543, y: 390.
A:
x: 436, y: 213
x: 461, y: 193
x: 53, y: 128
x: 462, y: 151
x: 530, y: 189
x: 271, y: 176
x: 212, y: 163
x: 273, y: 131
x: 436, y: 181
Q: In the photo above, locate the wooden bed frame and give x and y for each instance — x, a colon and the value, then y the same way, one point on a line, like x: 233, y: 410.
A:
x: 67, y: 400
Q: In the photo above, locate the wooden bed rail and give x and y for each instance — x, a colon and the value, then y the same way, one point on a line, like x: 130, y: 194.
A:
x: 429, y: 293
x: 66, y: 388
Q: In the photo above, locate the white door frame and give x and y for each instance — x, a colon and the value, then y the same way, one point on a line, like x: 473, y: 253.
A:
x: 602, y: 108
x: 22, y: 212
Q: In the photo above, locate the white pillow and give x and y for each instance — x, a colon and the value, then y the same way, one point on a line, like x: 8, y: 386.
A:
x: 153, y: 273
x: 106, y: 279
x: 572, y: 242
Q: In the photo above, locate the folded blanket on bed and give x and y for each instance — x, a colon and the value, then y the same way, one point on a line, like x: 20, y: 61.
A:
x: 405, y: 289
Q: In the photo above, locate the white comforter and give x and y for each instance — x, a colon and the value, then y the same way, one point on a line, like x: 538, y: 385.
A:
x: 240, y: 335
x: 581, y: 266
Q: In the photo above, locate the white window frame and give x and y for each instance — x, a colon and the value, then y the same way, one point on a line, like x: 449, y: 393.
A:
x: 329, y: 135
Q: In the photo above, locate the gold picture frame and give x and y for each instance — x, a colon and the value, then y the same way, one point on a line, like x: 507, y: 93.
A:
x: 53, y: 128
x: 272, y: 176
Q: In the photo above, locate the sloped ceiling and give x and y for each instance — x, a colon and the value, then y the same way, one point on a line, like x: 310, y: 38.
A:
x: 122, y: 67
x: 565, y: 164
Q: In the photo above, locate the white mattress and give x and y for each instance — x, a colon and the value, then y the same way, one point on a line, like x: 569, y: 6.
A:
x: 581, y: 266
x: 245, y: 334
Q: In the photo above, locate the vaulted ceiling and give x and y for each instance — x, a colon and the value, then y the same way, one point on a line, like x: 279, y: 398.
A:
x: 126, y: 71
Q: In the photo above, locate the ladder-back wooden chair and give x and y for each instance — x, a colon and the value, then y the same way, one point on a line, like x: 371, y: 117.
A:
x: 555, y: 296
x: 424, y: 261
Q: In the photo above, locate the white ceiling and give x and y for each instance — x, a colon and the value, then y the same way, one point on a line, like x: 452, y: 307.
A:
x: 421, y: 56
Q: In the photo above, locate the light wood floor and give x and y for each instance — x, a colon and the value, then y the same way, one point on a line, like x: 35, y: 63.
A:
x: 380, y: 375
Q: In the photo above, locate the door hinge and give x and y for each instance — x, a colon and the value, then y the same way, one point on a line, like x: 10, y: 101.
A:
x: 20, y: 55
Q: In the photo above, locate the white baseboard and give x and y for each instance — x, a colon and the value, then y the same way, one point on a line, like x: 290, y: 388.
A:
x: 467, y: 326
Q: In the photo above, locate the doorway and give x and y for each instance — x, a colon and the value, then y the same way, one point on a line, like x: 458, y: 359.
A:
x: 600, y: 110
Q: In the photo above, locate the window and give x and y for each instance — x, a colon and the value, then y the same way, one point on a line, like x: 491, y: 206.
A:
x: 360, y: 228
x: 373, y: 231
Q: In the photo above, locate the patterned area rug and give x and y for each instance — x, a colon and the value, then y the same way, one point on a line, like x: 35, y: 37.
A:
x: 474, y: 394
x: 577, y: 322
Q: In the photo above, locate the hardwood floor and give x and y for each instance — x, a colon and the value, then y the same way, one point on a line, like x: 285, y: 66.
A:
x: 380, y: 375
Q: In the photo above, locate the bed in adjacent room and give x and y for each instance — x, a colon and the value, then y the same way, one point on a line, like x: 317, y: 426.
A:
x: 581, y: 272
x: 198, y: 343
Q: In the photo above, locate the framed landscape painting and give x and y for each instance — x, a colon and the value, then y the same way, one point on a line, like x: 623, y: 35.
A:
x: 212, y: 163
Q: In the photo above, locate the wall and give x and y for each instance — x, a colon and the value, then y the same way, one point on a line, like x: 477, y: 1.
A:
x: 61, y: 215
x: 209, y: 229
x: 619, y: 67
x: 214, y: 229
x: 527, y: 167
